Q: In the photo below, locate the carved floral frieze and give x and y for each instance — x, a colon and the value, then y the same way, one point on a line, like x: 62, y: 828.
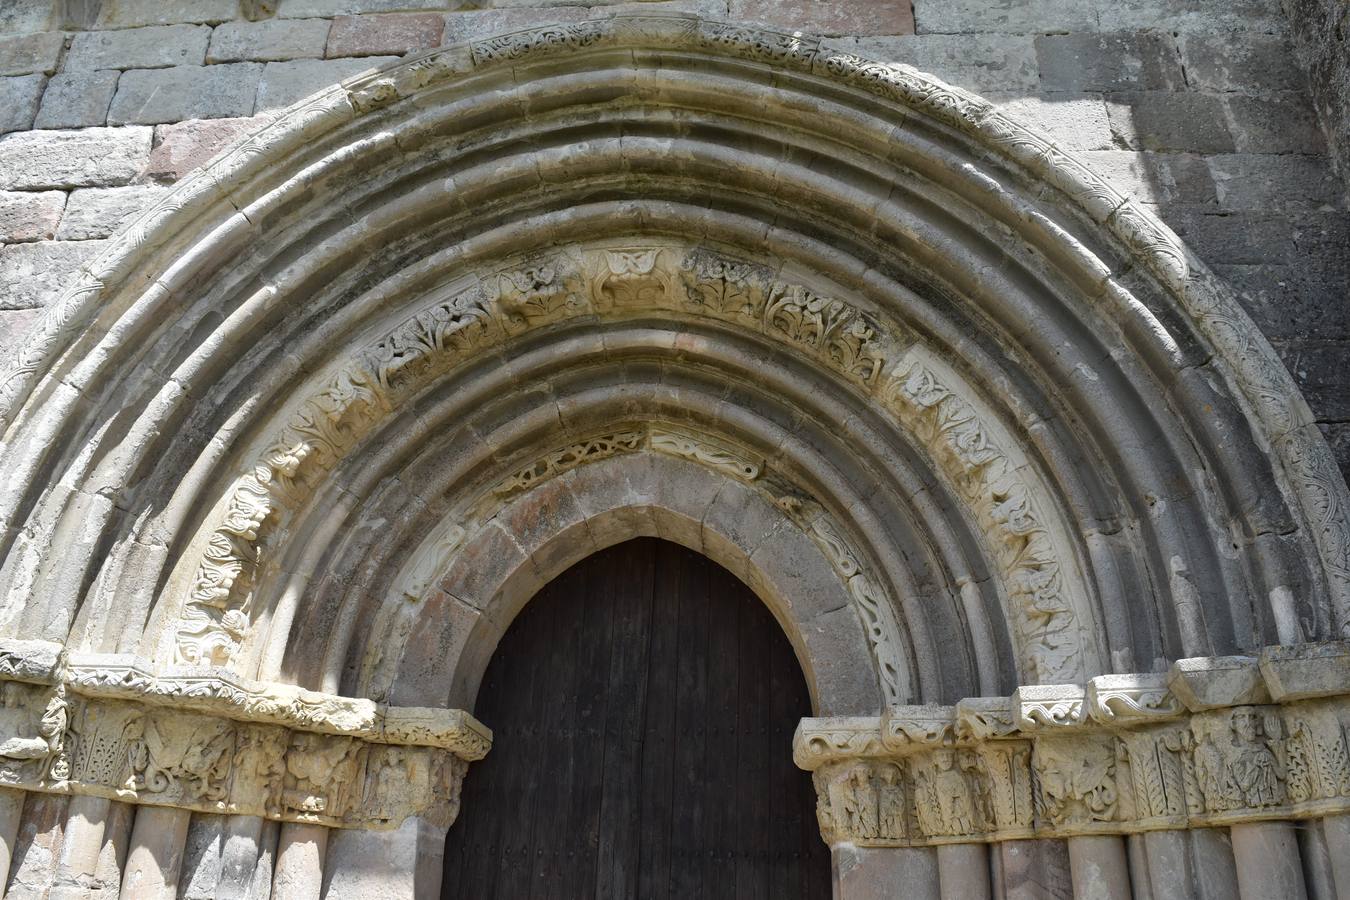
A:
x: 107, y: 726
x: 1121, y: 754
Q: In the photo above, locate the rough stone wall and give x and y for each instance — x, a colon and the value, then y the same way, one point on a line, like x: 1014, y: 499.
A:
x: 1198, y: 107
x: 1321, y: 32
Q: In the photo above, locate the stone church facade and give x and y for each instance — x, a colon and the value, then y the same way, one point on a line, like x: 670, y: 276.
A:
x: 1002, y: 349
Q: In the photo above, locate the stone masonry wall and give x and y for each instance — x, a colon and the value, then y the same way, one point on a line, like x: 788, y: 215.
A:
x: 1198, y: 107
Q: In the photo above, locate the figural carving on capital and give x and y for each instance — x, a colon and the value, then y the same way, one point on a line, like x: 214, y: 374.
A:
x: 107, y: 726
x: 1119, y: 755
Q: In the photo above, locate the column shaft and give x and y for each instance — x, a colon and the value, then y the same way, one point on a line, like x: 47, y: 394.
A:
x: 11, y: 812
x: 155, y: 857
x: 299, y: 866
x: 882, y: 873
x: 1099, y: 868
x: 963, y: 871
x: 1268, y: 863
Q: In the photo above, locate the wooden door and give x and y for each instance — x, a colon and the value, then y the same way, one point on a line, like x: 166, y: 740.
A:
x: 643, y: 706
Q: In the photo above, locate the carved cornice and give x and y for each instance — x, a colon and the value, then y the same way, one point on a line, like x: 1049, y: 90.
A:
x: 1201, y: 746
x: 108, y: 725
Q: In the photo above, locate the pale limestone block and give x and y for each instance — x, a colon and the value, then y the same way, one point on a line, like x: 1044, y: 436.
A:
x: 133, y: 13
x: 268, y: 41
x: 1073, y: 121
x: 283, y: 83
x: 1304, y: 671
x: 29, y: 215
x: 1212, y: 682
x: 26, y: 16
x: 976, y: 62
x: 297, y: 9
x: 372, y: 865
x: 138, y: 48
x: 93, y: 157
x: 33, y: 275
x: 77, y: 100
x: 473, y: 24
x: 99, y: 212
x: 153, y: 96
x: 28, y: 53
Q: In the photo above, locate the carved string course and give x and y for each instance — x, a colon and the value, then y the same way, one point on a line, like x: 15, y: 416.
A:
x: 108, y: 726
x: 1213, y: 742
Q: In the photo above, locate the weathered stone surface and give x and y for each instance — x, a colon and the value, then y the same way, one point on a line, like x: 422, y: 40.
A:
x: 1017, y: 16
x: 384, y: 34
x: 1211, y: 682
x: 1167, y: 120
x: 864, y: 17
x: 1156, y: 178
x: 297, y: 9
x: 25, y: 16
x: 1278, y: 123
x: 29, y: 215
x: 1319, y: 369
x: 284, y: 83
x: 471, y: 25
x: 1319, y: 35
x: 1116, y: 61
x: 979, y: 63
x: 77, y: 100
x: 98, y: 212
x: 183, y: 146
x: 15, y: 325
x: 1304, y: 671
x: 138, y: 48
x: 1073, y: 121
x: 1274, y: 181
x: 1194, y: 16
x: 32, y: 275
x: 153, y: 96
x: 134, y: 13
x: 94, y: 157
x: 268, y: 41
x: 19, y: 97
x: 1240, y: 61
x: 28, y: 53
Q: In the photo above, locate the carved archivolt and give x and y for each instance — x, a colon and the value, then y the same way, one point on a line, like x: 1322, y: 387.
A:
x: 106, y: 726
x: 1212, y: 742
x: 1003, y: 491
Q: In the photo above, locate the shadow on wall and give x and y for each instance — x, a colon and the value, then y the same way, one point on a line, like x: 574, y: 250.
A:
x: 1197, y: 107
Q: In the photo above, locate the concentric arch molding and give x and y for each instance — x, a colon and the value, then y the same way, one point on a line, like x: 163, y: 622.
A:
x: 1045, y: 593
x: 109, y: 725
x: 1213, y: 742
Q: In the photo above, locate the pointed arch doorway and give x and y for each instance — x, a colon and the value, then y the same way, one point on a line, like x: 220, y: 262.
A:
x: 643, y: 705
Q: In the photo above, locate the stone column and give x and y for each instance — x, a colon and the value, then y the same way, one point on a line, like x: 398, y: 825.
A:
x: 11, y: 812
x: 299, y: 866
x: 1169, y: 865
x: 38, y: 845
x: 1336, y: 833
x: 883, y: 873
x: 77, y: 864
x: 1099, y: 868
x: 362, y: 864
x: 963, y: 871
x: 1212, y: 858
x: 242, y: 852
x: 155, y: 857
x: 1268, y: 863
x: 1137, y: 854
x: 1029, y: 870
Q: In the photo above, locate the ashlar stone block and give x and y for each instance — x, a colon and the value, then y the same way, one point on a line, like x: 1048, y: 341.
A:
x: 138, y: 48
x: 92, y: 157
x: 29, y: 215
x: 33, y: 275
x: 99, y: 212
x: 19, y: 98
x: 153, y: 96
x: 180, y: 147
x: 284, y: 83
x: 388, y: 34
x: 977, y: 63
x: 861, y: 17
x: 25, y: 54
x: 268, y: 41
x: 77, y: 100
x: 1119, y: 61
x: 133, y: 13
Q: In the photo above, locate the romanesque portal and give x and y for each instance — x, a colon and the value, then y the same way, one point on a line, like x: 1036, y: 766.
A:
x: 1051, y: 534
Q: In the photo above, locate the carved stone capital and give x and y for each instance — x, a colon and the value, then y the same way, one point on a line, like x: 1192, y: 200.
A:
x: 110, y: 726
x: 1122, y: 754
